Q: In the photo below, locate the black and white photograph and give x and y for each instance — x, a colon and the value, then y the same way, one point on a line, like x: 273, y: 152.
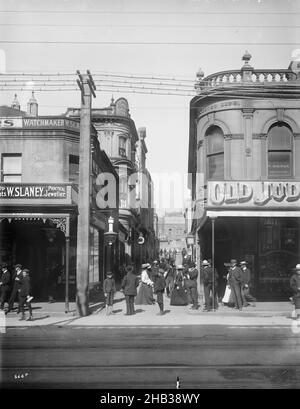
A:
x: 149, y: 199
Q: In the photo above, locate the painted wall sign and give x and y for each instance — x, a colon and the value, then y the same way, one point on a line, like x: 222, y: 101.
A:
x: 253, y: 194
x: 10, y: 122
x: 26, y: 191
x: 50, y: 123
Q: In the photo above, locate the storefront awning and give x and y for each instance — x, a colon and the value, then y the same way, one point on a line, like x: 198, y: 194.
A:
x: 252, y: 213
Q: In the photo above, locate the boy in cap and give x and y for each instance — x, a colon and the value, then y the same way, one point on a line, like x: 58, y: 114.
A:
x: 109, y: 289
x: 159, y: 288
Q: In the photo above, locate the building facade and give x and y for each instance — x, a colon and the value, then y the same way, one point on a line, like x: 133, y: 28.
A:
x: 244, y: 175
x: 126, y: 148
x: 39, y: 199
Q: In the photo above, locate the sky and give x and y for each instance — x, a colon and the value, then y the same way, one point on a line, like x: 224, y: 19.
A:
x: 171, y: 38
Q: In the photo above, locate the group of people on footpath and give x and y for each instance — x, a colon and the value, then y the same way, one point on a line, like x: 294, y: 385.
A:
x: 15, y: 285
x: 179, y: 284
x: 159, y: 278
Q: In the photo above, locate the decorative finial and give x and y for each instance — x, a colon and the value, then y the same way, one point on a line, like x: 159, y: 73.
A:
x: 200, y: 74
x: 112, y: 102
x: 246, y: 57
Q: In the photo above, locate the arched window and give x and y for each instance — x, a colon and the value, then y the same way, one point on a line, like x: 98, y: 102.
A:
x: 280, y: 149
x: 215, y: 153
x: 122, y: 146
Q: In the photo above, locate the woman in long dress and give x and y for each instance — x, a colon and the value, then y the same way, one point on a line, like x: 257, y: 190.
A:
x: 145, y: 291
x: 179, y: 294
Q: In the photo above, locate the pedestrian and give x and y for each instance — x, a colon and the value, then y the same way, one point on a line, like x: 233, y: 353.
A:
x: 4, y: 286
x: 179, y: 295
x: 159, y: 288
x: 193, y: 275
x: 227, y: 297
x: 153, y: 271
x: 129, y: 285
x: 210, y: 280
x: 16, y: 283
x: 25, y: 295
x: 169, y: 277
x: 52, y: 281
x: 235, y: 280
x: 145, y: 292
x: 109, y: 289
x: 295, y: 285
x: 247, y: 297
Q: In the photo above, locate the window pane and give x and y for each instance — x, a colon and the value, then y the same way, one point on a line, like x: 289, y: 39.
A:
x: 280, y: 164
x: 215, y: 140
x: 12, y: 164
x: 279, y: 138
x: 215, y: 167
x: 12, y: 179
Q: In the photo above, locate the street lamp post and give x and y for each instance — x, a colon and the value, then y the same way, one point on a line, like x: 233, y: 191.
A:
x: 190, y: 241
x: 109, y: 238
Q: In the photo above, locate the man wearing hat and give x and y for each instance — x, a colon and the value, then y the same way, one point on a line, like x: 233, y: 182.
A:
x: 16, y: 282
x: 159, y: 288
x: 210, y: 279
x: 193, y: 275
x: 4, y: 285
x: 246, y: 283
x: 295, y: 285
x: 235, y: 280
x: 109, y: 289
x: 129, y: 285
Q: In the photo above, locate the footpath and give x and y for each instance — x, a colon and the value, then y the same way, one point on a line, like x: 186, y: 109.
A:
x: 45, y: 314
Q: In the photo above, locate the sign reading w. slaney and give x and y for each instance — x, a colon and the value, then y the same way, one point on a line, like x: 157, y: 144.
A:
x: 253, y: 194
x: 25, y: 191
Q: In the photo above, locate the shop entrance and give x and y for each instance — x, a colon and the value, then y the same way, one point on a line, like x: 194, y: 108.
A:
x: 38, y: 246
x: 269, y: 245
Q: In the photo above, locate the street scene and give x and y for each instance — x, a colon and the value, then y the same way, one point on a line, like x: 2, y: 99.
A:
x: 150, y: 195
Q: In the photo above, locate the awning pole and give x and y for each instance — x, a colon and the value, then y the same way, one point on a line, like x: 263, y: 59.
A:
x: 213, y: 261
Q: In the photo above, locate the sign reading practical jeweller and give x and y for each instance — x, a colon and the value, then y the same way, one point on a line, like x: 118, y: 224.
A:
x: 253, y: 194
x: 33, y: 191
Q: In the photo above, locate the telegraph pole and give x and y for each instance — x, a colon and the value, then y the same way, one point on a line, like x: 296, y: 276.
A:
x: 87, y: 87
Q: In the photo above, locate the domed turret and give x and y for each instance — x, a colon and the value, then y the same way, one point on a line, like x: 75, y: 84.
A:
x: 32, y: 106
x: 16, y: 104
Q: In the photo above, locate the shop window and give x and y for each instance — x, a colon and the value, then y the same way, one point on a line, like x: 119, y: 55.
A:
x: 122, y: 146
x: 280, y: 142
x: 215, y: 153
x: 11, y: 168
x: 74, y: 169
x: 94, y: 266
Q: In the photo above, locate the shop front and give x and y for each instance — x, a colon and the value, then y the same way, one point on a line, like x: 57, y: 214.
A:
x: 257, y: 222
x: 38, y: 230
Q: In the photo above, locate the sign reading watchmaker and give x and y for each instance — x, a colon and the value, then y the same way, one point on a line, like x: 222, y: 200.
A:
x: 33, y: 191
x: 253, y: 194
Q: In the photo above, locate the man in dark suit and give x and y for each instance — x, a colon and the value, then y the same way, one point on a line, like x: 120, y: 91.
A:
x: 4, y: 286
x: 16, y: 282
x: 235, y: 281
x: 129, y: 285
x: 193, y: 275
x: 246, y: 285
x: 210, y: 280
x: 24, y: 295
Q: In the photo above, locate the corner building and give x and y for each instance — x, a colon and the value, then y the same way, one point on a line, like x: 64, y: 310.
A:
x: 244, y: 173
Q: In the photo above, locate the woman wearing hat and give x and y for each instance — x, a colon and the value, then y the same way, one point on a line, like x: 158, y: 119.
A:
x: 179, y: 295
x: 145, y: 292
x: 295, y: 285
